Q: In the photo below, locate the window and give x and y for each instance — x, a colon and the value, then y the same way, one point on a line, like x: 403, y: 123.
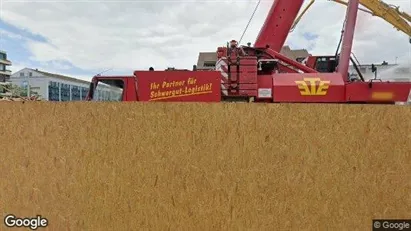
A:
x: 84, y: 92
x: 54, y: 94
x: 209, y: 64
x: 75, y: 93
x: 2, y: 56
x: 21, y: 74
x: 30, y: 74
x: 65, y: 92
x: 325, y: 64
x: 2, y: 67
x: 109, y: 90
x: 300, y: 59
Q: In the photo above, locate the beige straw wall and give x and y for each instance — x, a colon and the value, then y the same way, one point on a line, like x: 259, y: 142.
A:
x: 169, y: 166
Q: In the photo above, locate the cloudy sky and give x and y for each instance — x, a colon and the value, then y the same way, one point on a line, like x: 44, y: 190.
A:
x: 82, y: 38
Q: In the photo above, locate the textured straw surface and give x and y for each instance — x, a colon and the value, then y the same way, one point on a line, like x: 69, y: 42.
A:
x: 133, y: 166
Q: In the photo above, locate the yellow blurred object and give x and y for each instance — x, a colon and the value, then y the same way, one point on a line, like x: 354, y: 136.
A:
x: 391, y: 14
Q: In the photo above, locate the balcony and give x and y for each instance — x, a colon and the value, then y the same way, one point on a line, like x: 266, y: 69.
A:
x: 5, y: 72
x: 5, y: 62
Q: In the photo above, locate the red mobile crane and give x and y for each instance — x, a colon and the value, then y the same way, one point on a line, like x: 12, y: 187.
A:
x: 261, y: 74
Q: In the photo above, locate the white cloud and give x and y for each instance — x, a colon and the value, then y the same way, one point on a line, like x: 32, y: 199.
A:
x: 58, y: 64
x: 136, y: 35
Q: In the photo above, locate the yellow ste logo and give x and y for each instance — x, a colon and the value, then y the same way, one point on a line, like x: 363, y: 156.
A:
x: 309, y: 86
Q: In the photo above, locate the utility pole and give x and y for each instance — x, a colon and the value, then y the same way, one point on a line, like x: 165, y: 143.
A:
x: 28, y: 86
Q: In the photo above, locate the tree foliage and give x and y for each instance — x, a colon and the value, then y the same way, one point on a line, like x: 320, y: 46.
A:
x: 12, y: 92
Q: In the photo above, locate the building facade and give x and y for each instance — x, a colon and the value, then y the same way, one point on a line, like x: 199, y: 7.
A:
x: 55, y: 87
x: 4, y: 63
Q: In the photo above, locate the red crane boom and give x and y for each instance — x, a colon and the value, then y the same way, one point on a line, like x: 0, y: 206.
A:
x: 278, y: 23
x: 348, y: 37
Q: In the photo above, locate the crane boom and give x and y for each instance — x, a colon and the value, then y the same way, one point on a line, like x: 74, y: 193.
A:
x: 278, y: 23
x: 348, y: 36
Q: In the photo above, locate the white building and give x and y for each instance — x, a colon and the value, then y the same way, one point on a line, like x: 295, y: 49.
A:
x: 55, y: 87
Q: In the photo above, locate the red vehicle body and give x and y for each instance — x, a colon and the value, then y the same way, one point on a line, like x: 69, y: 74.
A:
x: 261, y: 74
